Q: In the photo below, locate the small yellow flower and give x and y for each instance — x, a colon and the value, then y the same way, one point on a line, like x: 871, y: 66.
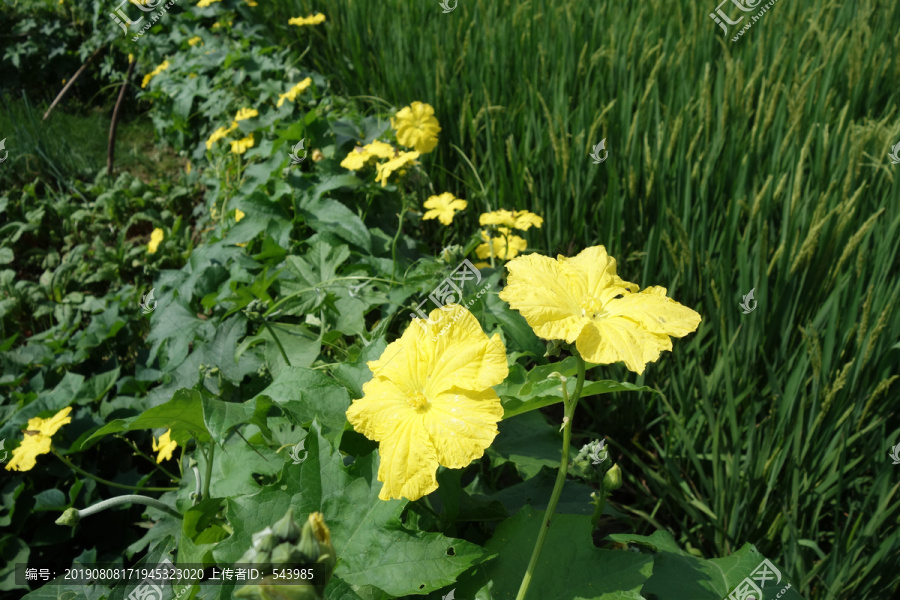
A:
x: 130, y: 57
x: 385, y: 169
x: 506, y: 246
x: 245, y: 113
x: 37, y: 440
x: 291, y: 94
x: 187, y: 168
x: 238, y: 215
x: 430, y: 402
x: 155, y: 238
x: 165, y: 447
x: 443, y: 207
x: 311, y: 20
x: 583, y: 300
x: 159, y: 69
x: 219, y: 133
x: 195, y: 40
x: 205, y: 3
x: 317, y: 155
x: 241, y: 146
x: 417, y: 127
x: 521, y: 219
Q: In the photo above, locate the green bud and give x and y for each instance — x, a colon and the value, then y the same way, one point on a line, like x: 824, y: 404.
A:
x: 69, y: 517
x: 286, y: 529
x: 264, y: 540
x: 285, y: 553
x: 613, y: 479
x: 309, y: 545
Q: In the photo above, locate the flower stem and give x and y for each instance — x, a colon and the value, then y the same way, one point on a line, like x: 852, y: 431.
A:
x: 153, y: 462
x: 106, y: 481
x: 209, y: 463
x: 394, y: 242
x: 570, y: 405
x: 128, y: 499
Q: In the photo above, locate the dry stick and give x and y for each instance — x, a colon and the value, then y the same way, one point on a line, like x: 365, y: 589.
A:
x: 111, y: 148
x: 71, y: 81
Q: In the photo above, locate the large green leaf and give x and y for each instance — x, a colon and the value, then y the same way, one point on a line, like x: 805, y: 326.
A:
x: 570, y: 566
x: 325, y: 214
x: 183, y: 414
x: 221, y: 416
x: 307, y: 394
x: 372, y: 545
x: 529, y: 442
x: 678, y: 575
x: 523, y: 391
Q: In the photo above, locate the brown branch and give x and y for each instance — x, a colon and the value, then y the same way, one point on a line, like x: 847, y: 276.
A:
x: 71, y: 81
x: 111, y: 148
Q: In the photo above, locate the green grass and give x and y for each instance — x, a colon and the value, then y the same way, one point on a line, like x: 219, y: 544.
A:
x: 755, y: 164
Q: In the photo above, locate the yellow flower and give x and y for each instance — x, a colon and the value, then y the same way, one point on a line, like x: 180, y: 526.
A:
x: 250, y: 3
x: 159, y: 69
x: 291, y: 94
x: 521, y: 219
x: 244, y: 114
x: 312, y: 20
x: 385, y: 169
x: 187, y: 168
x: 317, y: 155
x: 357, y: 159
x: 205, y: 3
x: 219, y: 134
x: 238, y: 215
x: 155, y: 238
x: 430, y: 401
x: 416, y: 127
x: 165, y: 448
x: 241, y: 146
x: 443, y: 207
x: 505, y: 246
x: 195, y: 40
x: 37, y: 440
x: 582, y: 300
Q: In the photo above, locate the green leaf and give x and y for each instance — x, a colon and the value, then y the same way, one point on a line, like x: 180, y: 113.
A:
x: 352, y: 375
x: 529, y: 442
x: 569, y: 567
x: 524, y: 391
x: 183, y: 414
x: 325, y: 214
x: 221, y: 416
x: 307, y: 394
x: 372, y: 545
x: 536, y: 492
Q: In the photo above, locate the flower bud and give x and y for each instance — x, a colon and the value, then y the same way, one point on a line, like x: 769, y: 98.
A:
x: 613, y: 479
x: 69, y: 517
x: 286, y: 529
x: 264, y: 540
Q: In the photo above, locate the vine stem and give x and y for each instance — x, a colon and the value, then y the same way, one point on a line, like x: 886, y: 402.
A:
x: 209, y: 464
x: 278, y: 343
x: 126, y: 499
x: 108, y: 482
x: 560, y: 477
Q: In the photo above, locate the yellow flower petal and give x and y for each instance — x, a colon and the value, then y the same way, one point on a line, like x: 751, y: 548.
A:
x: 155, y: 239
x: 463, y: 424
x: 165, y: 447
x: 238, y: 215
x: 408, y: 465
x: 37, y: 440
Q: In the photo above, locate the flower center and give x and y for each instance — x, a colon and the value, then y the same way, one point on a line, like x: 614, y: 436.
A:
x: 417, y: 399
x: 591, y: 307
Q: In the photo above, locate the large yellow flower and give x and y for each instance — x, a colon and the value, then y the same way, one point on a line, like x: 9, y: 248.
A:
x: 385, y: 169
x: 521, y: 219
x: 155, y: 239
x: 443, y: 207
x: 165, y: 447
x: 430, y: 401
x: 582, y: 300
x: 417, y: 127
x: 37, y: 440
x: 506, y: 246
x: 291, y: 94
